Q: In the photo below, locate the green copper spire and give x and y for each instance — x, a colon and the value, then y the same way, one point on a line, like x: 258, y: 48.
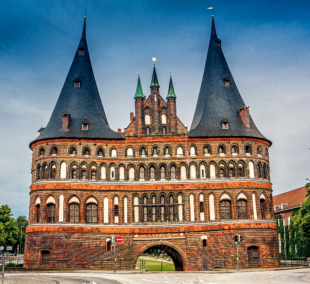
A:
x: 139, y: 92
x: 154, y: 82
x: 171, y: 93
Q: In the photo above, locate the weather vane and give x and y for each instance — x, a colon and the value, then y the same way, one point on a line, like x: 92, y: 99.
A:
x: 138, y: 73
x: 211, y: 8
x: 85, y: 14
x: 170, y: 74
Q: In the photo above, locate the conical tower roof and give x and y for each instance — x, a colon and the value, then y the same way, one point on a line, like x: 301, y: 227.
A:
x: 154, y: 82
x: 139, y: 92
x: 80, y: 102
x: 218, y: 102
x: 171, y: 93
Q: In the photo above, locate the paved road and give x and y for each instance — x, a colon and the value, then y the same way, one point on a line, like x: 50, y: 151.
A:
x: 294, y: 276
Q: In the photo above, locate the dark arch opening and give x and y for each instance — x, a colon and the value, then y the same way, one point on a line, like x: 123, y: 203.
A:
x: 162, y: 249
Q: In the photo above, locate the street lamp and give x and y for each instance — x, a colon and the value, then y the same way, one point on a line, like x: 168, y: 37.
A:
x: 20, y: 246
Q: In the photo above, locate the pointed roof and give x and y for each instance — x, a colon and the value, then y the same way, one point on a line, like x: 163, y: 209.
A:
x: 79, y: 102
x: 171, y: 93
x: 217, y: 101
x: 139, y: 92
x: 154, y: 82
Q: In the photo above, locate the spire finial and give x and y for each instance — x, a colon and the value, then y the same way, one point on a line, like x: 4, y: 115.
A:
x: 85, y: 14
x: 171, y: 93
x: 154, y: 59
x: 170, y: 74
x: 84, y: 27
x: 138, y: 74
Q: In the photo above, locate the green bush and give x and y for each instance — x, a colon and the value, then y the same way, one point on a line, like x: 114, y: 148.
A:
x: 11, y: 264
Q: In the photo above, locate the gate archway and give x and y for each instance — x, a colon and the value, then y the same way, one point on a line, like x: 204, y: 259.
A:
x: 176, y: 254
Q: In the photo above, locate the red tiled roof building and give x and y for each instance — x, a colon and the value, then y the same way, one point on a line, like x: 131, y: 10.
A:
x: 157, y: 185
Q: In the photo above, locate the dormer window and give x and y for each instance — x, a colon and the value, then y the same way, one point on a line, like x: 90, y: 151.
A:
x: 226, y: 81
x: 81, y: 52
x: 219, y: 43
x: 77, y: 84
x: 84, y: 126
x: 225, y: 125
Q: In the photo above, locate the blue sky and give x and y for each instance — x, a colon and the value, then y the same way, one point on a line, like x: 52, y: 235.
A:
x: 266, y: 44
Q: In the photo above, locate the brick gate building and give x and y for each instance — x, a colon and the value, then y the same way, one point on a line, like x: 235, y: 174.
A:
x: 157, y: 185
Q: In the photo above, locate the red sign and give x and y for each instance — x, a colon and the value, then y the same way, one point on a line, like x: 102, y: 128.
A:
x: 119, y: 240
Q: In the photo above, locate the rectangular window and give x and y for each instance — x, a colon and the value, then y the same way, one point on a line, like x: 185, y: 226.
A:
x: 81, y: 51
x: 77, y: 84
x: 116, y: 210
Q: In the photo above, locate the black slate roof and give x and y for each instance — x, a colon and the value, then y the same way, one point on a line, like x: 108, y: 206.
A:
x: 81, y: 103
x: 217, y: 102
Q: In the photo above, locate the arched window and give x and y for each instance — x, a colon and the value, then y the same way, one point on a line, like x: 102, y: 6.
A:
x: 141, y: 173
x: 153, y: 208
x: 225, y: 209
x: 207, y: 150
x: 63, y: 170
x: 100, y: 152
x: 53, y: 172
x: 266, y: 153
x: 50, y: 213
x: 167, y: 152
x: 193, y: 172
x: 42, y: 152
x: 241, y: 206
x: 231, y: 170
x: 259, y: 151
x: 38, y: 172
x: 234, y: 150
x: 202, y: 171
x: 155, y: 151
x: 103, y: 173
x: 180, y: 208
x: 192, y: 207
x: 212, y: 171
x: 193, y: 151
x: 162, y: 172
x: 248, y: 150
x: 241, y: 170
x: 251, y: 170
x: 145, y: 209
x: 262, y: 208
x: 131, y: 174
x: 129, y: 152
x: 72, y: 151
x: 73, y: 172
x: 147, y: 119
x: 91, y: 213
x: 83, y: 172
x: 116, y: 211
x: 112, y: 173
x: 183, y: 172
x: 136, y: 209
x: 179, y: 151
x: 143, y: 152
x: 163, y: 119
x: 86, y: 151
x: 147, y: 131
x: 259, y: 171
x: 172, y: 172
x: 122, y: 173
x: 221, y: 150
x: 171, y: 208
x: 222, y: 171
x: 45, y: 171
x: 74, y: 213
x: 164, y: 130
x: 113, y: 153
x: 201, y: 208
x: 93, y: 173
x: 162, y: 208
x: 54, y: 151
x: 38, y: 213
x: 152, y: 173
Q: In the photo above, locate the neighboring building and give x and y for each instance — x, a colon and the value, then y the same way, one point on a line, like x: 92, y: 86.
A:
x: 157, y: 185
x: 285, y: 203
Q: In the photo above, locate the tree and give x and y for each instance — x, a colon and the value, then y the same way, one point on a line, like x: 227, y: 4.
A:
x: 21, y: 223
x: 8, y: 227
x: 301, y: 221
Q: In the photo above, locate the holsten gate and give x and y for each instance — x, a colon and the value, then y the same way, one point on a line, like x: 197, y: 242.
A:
x: 156, y: 184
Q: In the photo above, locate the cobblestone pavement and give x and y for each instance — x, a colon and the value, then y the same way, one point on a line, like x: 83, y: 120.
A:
x: 291, y: 276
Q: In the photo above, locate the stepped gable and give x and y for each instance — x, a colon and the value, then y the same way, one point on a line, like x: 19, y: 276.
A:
x: 80, y: 103
x: 220, y: 101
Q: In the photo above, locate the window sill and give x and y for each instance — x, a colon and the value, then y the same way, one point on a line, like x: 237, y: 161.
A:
x: 207, y: 155
x: 222, y: 155
x: 234, y: 154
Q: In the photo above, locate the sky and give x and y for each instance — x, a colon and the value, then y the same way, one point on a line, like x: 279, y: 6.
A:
x: 266, y: 45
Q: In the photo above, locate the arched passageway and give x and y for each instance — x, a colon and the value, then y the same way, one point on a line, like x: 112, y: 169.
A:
x: 165, y: 249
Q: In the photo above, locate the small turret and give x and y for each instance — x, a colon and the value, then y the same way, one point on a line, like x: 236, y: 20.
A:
x: 139, y: 100
x: 172, y: 108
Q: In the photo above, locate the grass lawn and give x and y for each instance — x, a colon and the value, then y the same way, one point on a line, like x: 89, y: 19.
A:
x: 155, y: 265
